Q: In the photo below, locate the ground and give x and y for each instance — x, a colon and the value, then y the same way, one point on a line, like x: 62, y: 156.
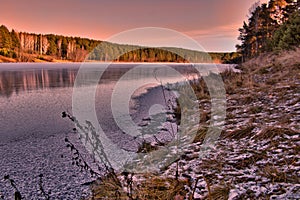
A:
x: 257, y: 153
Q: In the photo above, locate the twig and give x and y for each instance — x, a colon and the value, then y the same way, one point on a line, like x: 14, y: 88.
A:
x: 95, y: 142
x: 46, y: 195
x: 208, y: 187
x: 194, y: 189
x: 18, y: 195
x: 79, y: 161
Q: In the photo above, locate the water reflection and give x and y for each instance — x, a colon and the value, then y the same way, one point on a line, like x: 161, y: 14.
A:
x: 16, y: 81
x: 26, y: 80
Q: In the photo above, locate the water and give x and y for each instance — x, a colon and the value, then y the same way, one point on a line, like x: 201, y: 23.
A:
x: 32, y: 132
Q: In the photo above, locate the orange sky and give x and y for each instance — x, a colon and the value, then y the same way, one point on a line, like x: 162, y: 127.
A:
x: 212, y: 23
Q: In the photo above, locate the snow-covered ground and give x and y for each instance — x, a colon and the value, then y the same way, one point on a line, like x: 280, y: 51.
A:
x: 257, y: 155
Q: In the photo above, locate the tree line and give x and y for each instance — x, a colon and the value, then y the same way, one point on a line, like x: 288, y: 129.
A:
x: 131, y: 53
x: 271, y: 26
x: 18, y: 45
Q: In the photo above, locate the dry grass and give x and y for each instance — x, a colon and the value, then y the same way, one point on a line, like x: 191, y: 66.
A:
x: 200, y: 88
x: 6, y: 59
x: 201, y: 133
x: 161, y: 188
x: 271, y: 132
x: 235, y: 82
x: 247, y: 99
x: 149, y: 186
x: 239, y: 133
x: 146, y: 147
x: 255, y: 109
x: 249, y: 161
x: 205, y: 116
x: 107, y: 188
x: 286, y: 58
x: 265, y: 72
x: 219, y: 192
x: 274, y: 174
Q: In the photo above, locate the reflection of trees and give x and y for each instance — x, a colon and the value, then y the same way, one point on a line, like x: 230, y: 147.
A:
x: 34, y: 79
x: 18, y: 81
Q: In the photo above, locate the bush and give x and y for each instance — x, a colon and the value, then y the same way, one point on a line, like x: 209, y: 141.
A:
x: 8, y: 53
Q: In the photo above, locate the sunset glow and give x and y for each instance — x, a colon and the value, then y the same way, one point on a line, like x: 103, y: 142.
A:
x: 212, y: 23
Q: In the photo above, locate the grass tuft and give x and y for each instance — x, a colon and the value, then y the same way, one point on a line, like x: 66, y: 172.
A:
x: 147, y: 186
x: 271, y: 132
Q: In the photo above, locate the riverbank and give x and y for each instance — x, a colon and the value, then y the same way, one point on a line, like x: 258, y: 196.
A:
x: 257, y: 155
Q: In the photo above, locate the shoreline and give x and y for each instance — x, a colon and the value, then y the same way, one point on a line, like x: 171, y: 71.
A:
x: 77, y: 65
x: 114, y: 62
x: 5, y: 60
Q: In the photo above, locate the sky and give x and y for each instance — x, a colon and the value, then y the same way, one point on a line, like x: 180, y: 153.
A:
x: 211, y: 23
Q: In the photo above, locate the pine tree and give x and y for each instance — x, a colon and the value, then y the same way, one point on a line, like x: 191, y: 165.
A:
x: 5, y: 38
x: 15, y: 39
x: 288, y: 35
x: 270, y: 26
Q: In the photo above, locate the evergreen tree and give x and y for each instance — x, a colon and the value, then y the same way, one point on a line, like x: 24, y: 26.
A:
x: 5, y: 38
x: 52, y: 49
x: 15, y: 40
x: 288, y: 35
x: 272, y: 25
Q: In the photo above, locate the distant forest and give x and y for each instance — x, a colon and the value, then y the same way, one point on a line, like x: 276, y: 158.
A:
x: 23, y: 47
x: 270, y: 27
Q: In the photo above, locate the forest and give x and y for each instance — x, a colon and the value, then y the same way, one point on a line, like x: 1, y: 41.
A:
x: 273, y: 26
x: 24, y: 47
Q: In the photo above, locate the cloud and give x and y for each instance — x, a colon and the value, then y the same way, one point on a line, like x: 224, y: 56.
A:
x: 229, y: 30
